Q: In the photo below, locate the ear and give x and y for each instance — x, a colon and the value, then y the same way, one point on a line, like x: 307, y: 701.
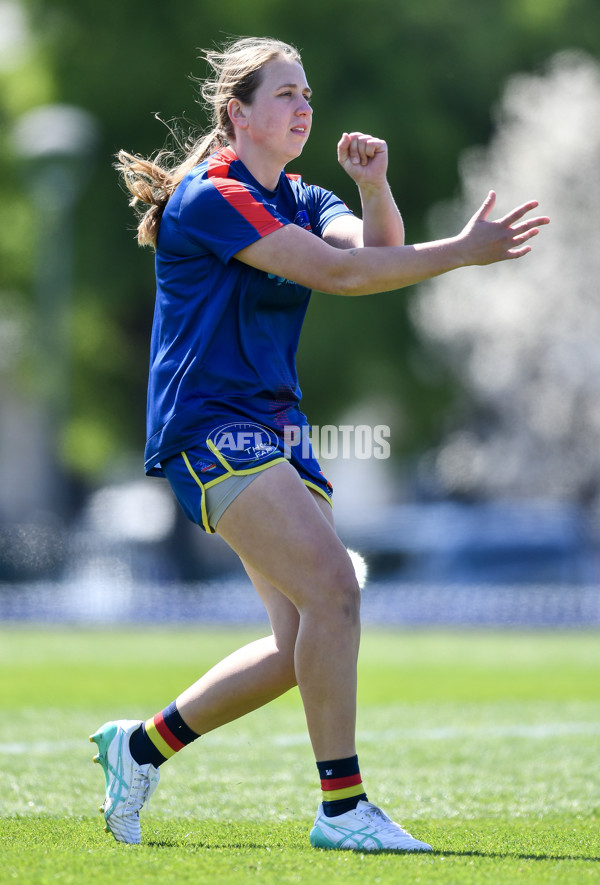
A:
x: 237, y: 113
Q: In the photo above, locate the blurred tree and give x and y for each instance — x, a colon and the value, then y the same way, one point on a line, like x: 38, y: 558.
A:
x: 524, y: 338
x: 422, y: 75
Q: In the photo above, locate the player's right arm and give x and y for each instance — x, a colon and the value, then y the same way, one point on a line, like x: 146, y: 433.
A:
x: 296, y: 254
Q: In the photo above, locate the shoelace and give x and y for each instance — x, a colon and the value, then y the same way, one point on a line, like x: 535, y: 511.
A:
x: 142, y: 788
x: 376, y: 813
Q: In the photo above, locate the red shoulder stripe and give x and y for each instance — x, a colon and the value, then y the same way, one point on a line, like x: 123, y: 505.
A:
x: 219, y: 163
x: 237, y: 194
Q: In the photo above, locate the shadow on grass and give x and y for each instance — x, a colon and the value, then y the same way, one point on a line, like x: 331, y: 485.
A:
x: 302, y: 844
x: 506, y: 855
x: 224, y: 845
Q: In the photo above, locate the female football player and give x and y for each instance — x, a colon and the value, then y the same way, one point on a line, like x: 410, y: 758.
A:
x: 239, y: 246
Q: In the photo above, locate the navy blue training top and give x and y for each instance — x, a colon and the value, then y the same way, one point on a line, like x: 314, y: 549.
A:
x: 225, y: 335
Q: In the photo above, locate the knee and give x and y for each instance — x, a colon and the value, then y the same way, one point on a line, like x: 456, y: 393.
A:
x: 341, y: 593
x: 349, y: 600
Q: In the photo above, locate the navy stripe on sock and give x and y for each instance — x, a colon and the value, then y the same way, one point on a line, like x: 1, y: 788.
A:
x: 339, y: 768
x: 143, y: 749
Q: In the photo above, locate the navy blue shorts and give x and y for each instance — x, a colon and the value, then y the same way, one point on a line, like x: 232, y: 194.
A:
x: 209, y: 475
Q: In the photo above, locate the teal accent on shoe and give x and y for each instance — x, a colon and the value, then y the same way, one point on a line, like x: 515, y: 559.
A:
x: 117, y: 787
x: 354, y: 839
x: 318, y: 839
x: 103, y: 738
x: 367, y: 828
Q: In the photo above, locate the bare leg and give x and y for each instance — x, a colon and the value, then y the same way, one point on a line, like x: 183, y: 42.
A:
x: 251, y: 676
x: 304, y: 575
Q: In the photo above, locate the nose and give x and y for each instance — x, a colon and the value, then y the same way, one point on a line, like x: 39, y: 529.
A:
x: 305, y: 107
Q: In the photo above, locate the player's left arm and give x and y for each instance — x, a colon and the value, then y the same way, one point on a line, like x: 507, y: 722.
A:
x: 365, y: 159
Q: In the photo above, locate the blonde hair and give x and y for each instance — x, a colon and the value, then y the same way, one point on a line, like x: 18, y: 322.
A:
x: 237, y: 74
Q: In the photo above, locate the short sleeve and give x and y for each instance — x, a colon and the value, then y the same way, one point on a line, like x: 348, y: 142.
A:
x: 223, y: 216
x: 324, y: 207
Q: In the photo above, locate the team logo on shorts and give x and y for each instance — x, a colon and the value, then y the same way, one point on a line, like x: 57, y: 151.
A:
x: 244, y: 441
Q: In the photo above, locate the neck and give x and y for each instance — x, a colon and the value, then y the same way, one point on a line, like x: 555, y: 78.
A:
x: 266, y: 170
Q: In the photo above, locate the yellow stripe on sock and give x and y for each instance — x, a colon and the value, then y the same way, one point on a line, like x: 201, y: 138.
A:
x: 346, y: 793
x: 158, y: 740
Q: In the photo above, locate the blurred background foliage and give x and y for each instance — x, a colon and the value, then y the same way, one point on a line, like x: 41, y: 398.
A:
x: 424, y: 76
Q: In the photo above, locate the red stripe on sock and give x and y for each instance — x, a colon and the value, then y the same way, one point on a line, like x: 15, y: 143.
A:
x: 166, y: 733
x: 340, y: 783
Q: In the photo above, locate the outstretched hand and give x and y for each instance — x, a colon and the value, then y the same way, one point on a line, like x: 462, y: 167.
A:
x: 363, y: 157
x: 489, y: 241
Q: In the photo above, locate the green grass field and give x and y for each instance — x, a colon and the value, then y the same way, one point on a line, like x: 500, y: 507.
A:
x: 485, y: 744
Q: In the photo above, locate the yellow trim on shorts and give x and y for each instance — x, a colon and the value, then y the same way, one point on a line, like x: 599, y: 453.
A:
x: 316, y: 488
x: 231, y: 471
x: 196, y: 478
x: 213, y: 482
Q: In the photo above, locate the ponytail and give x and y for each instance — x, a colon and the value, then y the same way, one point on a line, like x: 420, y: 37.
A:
x: 152, y: 182
x: 237, y: 70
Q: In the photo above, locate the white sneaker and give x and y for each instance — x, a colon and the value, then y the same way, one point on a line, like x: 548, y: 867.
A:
x: 128, y: 785
x: 365, y: 828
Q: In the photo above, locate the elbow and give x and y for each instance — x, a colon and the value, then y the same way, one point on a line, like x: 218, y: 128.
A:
x: 350, y: 288
x: 339, y: 285
x: 342, y: 278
